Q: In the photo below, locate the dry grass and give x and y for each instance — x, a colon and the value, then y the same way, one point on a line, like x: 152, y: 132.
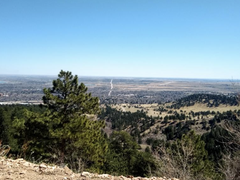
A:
x: 168, y: 85
x: 203, y: 107
x: 151, y: 109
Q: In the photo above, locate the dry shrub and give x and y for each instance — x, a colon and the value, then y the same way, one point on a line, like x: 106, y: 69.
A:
x: 4, y: 149
x: 231, y: 167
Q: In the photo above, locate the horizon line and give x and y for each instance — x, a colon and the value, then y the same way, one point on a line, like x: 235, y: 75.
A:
x: 126, y: 77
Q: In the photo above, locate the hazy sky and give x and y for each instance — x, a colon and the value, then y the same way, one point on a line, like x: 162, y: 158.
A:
x: 133, y: 38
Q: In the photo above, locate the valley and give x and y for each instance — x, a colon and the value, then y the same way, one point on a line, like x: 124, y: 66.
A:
x: 123, y: 126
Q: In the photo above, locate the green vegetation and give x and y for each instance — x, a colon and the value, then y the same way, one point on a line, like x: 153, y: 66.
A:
x: 69, y: 129
x: 75, y: 134
x: 211, y: 100
x: 125, y: 158
x: 137, y: 121
x: 64, y: 133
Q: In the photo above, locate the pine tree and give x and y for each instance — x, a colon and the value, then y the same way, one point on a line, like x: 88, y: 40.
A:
x: 68, y: 130
x: 67, y: 97
x: 32, y: 134
x: 71, y: 125
x: 124, y: 157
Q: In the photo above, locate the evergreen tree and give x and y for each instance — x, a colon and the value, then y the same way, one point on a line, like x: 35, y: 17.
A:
x: 32, y: 134
x: 124, y: 157
x: 71, y: 106
x: 68, y: 97
x: 68, y: 129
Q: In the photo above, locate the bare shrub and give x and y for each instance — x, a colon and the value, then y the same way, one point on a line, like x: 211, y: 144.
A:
x: 170, y: 166
x: 4, y: 149
x: 230, y: 167
x: 186, y: 159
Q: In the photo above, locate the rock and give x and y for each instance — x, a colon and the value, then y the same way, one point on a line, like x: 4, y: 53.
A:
x: 3, y: 166
x: 57, y: 170
x: 125, y: 178
x: 26, y: 164
x: 23, y: 172
x: 136, y: 178
x: 10, y: 172
x: 86, y: 174
x: 104, y: 176
x: 42, y: 166
x: 19, y: 160
x: 67, y: 170
x: 21, y: 169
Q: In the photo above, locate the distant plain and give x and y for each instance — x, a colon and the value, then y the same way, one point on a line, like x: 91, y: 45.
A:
x: 29, y: 88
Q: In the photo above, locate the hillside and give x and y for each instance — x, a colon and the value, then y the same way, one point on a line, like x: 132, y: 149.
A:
x: 199, y: 112
x: 124, y: 139
x: 154, y: 126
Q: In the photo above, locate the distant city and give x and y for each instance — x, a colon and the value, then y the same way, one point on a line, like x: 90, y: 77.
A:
x: 22, y: 89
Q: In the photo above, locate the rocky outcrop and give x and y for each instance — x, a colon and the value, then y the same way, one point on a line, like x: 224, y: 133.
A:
x: 21, y: 169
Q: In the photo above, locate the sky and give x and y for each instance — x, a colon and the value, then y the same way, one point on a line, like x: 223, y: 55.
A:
x: 121, y: 38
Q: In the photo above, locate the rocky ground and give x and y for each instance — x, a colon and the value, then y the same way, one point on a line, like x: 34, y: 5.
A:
x: 21, y: 169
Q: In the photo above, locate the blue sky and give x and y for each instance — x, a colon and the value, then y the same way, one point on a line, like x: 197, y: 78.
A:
x: 130, y: 38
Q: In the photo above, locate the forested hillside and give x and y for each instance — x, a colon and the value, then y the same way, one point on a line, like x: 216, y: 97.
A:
x: 70, y: 128
x: 211, y: 100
